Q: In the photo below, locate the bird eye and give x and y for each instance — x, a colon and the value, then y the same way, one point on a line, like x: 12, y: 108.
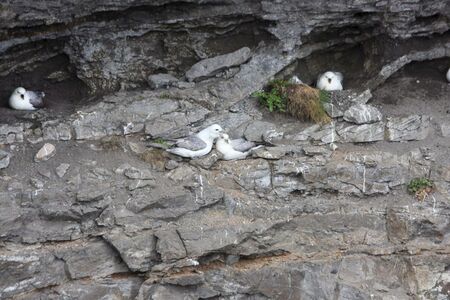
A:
x: 217, y: 129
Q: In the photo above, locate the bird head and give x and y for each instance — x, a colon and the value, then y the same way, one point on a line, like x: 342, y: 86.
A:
x: 225, y: 137
x: 329, y: 76
x: 214, y: 131
x: 20, y: 91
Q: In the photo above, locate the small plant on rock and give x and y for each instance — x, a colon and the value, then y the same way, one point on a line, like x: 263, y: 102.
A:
x: 161, y: 141
x: 299, y: 100
x: 421, y: 187
x: 274, y: 97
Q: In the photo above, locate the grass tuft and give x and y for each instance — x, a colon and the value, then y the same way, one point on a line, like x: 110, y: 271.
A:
x: 306, y: 103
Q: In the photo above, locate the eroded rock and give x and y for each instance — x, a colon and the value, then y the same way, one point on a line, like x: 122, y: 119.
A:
x: 362, y: 114
x: 409, y: 128
x: 210, y: 66
x: 4, y: 159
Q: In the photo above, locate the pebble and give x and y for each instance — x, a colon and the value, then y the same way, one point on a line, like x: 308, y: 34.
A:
x: 61, y: 170
x: 44, y: 172
x: 36, y: 183
x: 45, y: 153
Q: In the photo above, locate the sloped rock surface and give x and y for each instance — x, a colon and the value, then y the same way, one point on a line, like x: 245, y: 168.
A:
x: 112, y: 216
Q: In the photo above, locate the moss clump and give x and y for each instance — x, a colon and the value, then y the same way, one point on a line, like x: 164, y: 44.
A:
x: 421, y: 187
x: 306, y: 103
x: 299, y: 100
x: 160, y: 141
x: 274, y: 96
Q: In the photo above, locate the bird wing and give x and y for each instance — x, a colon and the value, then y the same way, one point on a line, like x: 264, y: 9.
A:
x: 242, y: 145
x: 193, y: 143
x: 339, y: 76
x: 36, y: 98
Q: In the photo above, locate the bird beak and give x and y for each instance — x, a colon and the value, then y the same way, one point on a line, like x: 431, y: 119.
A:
x: 329, y: 80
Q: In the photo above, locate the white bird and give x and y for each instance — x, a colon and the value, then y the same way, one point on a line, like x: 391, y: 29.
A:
x: 197, y: 145
x: 21, y: 99
x: 295, y: 80
x: 448, y: 75
x: 234, y: 149
x: 330, y: 81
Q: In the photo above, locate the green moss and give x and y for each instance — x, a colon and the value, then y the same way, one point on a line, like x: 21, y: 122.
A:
x: 161, y: 142
x: 419, y: 184
x: 164, y: 96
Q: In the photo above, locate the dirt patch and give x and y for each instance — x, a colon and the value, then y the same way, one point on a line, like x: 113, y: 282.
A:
x: 418, y: 88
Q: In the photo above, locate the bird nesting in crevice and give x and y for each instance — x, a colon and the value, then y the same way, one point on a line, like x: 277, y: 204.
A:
x: 306, y: 103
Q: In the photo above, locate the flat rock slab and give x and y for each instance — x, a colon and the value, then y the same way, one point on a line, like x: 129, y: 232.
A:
x: 62, y: 169
x: 161, y: 80
x: 362, y: 133
x: 169, y: 245
x: 411, y: 128
x: 211, y: 66
x: 91, y: 259
x: 137, y: 251
x: 255, y: 130
x: 362, y: 114
x: 340, y: 101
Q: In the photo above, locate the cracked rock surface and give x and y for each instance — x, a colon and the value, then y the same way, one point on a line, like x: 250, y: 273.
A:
x: 321, y: 211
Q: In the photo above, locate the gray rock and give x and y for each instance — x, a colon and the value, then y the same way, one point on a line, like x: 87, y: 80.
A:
x: 362, y: 133
x: 207, y: 161
x: 157, y: 81
x: 4, y: 159
x: 169, y: 245
x: 36, y: 183
x: 45, y: 153
x: 210, y: 66
x: 137, y: 250
x: 444, y: 129
x: 174, y: 125
x: 62, y: 169
x: 340, y: 101
x: 409, y: 128
x: 114, y: 288
x: 93, y: 192
x: 44, y: 172
x: 137, y: 184
x: 322, y: 134
x: 93, y: 259
x: 276, y: 152
x: 53, y: 130
x: 184, y: 85
x: 255, y: 130
x: 362, y: 114
x: 28, y: 269
x: 135, y: 173
x: 11, y: 133
x: 171, y: 164
x: 317, y: 150
x: 134, y: 108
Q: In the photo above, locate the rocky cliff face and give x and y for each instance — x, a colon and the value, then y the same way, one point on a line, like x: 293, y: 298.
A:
x: 108, y: 214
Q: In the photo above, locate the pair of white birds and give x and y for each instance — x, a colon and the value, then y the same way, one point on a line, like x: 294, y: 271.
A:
x: 328, y: 81
x: 200, y: 144
x: 21, y: 99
